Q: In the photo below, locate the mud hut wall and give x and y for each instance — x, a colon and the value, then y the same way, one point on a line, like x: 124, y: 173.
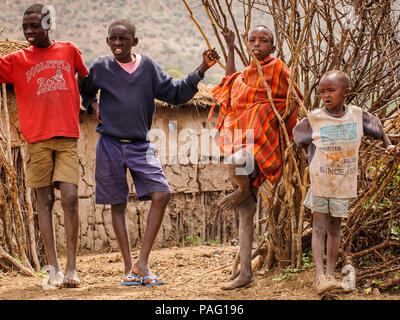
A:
x: 191, y: 215
x: 196, y: 185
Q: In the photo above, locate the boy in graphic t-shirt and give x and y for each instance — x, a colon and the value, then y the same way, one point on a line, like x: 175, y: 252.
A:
x: 46, y: 88
x: 330, y: 138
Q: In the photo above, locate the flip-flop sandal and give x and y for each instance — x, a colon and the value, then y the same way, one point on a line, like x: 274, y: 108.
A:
x: 153, y: 278
x: 131, y: 280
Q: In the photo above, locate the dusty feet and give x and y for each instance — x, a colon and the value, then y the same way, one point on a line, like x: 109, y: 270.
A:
x: 239, y: 282
x: 234, y: 199
x: 148, y: 277
x: 71, y: 280
x: 141, y: 270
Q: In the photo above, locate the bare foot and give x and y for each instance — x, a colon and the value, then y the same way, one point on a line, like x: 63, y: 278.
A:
x: 237, y: 283
x: 71, y: 280
x: 234, y: 199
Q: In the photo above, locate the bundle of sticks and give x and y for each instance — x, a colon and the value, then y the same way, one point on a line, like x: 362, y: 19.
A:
x: 18, y: 246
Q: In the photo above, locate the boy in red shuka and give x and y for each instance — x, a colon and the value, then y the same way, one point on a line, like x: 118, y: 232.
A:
x: 46, y: 88
x: 249, y: 133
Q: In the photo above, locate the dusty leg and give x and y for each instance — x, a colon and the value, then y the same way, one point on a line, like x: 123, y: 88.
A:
x: 319, y: 230
x: 237, y: 170
x: 246, y: 229
x: 118, y: 213
x: 159, y: 201
x: 69, y: 203
x: 333, y: 243
x: 45, y: 202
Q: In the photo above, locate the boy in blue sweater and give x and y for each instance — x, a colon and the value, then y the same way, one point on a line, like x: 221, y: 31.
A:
x: 129, y: 83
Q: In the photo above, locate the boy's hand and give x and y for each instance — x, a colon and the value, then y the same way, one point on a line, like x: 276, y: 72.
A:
x: 229, y: 36
x: 210, y: 58
x: 391, y: 149
x: 96, y: 109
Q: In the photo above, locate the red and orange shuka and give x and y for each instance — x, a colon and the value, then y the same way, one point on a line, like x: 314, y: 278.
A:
x: 246, y: 119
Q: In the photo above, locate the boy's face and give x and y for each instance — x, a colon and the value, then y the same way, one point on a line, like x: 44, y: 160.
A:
x: 33, y: 30
x: 260, y: 43
x: 332, y: 91
x: 121, y: 40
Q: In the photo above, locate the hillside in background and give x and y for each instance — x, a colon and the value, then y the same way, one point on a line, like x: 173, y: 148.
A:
x: 164, y: 29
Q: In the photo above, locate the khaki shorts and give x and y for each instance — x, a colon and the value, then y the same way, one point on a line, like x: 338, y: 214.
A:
x: 51, y: 161
x: 336, y: 207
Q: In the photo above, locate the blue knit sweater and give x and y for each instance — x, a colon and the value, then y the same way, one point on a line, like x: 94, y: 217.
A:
x: 127, y: 100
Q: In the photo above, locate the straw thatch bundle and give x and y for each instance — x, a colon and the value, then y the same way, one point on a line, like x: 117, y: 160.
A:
x: 7, y: 46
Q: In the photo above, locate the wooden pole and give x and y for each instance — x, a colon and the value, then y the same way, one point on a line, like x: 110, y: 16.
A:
x: 30, y: 220
x: 7, y: 123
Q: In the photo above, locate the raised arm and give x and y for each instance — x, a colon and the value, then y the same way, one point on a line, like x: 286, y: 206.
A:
x: 181, y: 91
x: 229, y: 36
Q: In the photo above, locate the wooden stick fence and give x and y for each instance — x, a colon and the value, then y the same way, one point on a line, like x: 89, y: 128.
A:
x: 15, y: 223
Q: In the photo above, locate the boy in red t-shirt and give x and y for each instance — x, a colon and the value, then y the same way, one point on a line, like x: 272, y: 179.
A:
x: 46, y: 88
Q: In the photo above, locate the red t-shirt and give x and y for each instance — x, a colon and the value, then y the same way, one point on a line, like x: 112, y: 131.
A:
x: 46, y: 89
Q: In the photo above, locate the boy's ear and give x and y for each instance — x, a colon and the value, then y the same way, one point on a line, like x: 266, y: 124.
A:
x: 107, y: 40
x: 273, y: 48
x: 135, y: 41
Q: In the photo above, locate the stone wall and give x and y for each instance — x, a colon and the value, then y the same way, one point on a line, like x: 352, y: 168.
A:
x: 192, y: 213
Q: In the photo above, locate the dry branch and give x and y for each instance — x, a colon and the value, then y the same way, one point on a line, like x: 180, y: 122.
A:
x: 6, y: 257
x: 201, y: 31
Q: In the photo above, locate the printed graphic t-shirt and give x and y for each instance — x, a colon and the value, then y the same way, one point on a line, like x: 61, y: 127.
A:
x: 335, y: 142
x: 46, y: 89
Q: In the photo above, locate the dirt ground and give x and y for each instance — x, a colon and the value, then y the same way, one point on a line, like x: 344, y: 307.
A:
x: 179, y: 267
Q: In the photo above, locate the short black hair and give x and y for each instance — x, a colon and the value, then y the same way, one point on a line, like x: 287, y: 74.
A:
x: 35, y: 8
x: 271, y: 34
x: 342, y: 76
x: 126, y: 23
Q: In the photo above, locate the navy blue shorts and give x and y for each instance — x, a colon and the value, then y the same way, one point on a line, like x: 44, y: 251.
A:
x: 113, y: 157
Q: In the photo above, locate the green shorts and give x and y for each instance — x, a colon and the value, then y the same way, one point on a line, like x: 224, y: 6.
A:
x: 336, y: 207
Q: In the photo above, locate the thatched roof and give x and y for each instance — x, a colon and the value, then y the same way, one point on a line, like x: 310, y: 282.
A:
x: 7, y: 46
x: 202, y: 99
